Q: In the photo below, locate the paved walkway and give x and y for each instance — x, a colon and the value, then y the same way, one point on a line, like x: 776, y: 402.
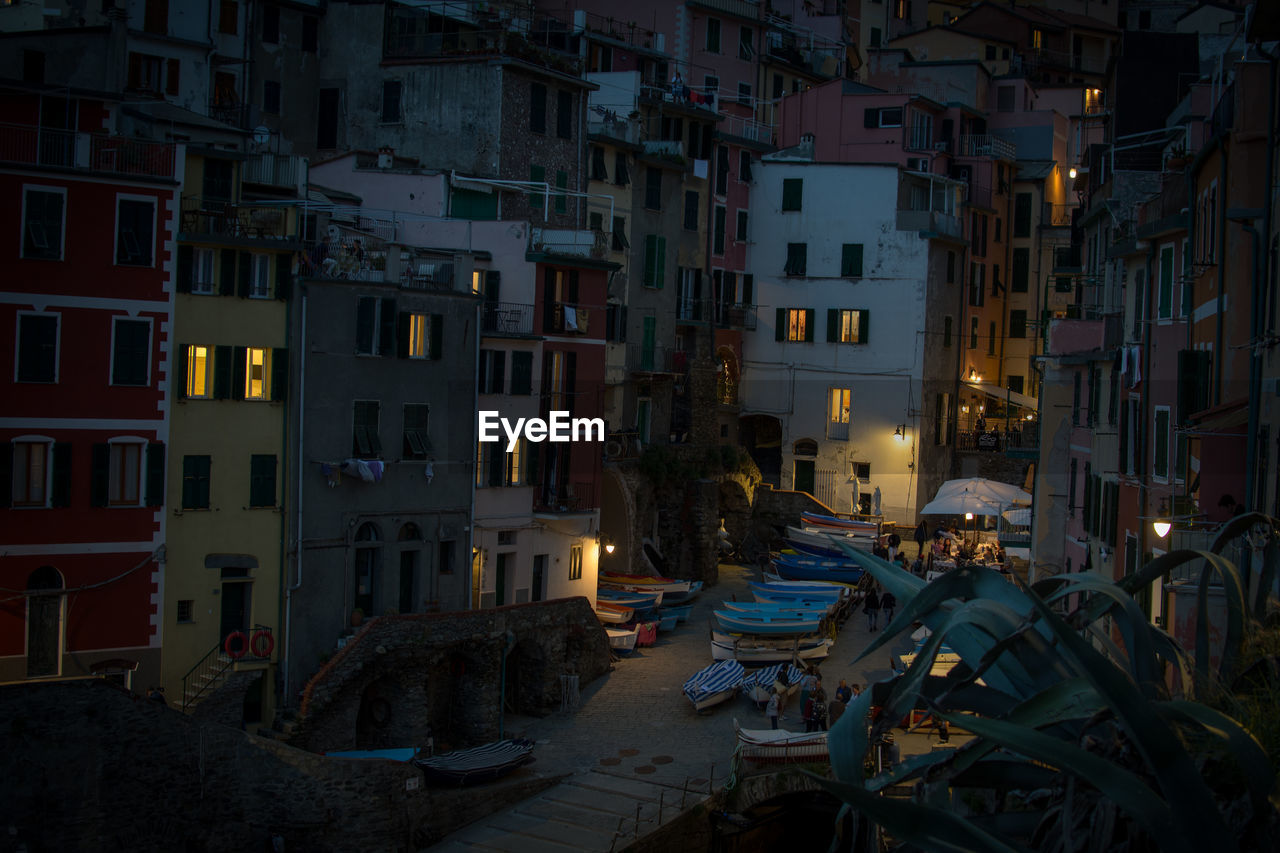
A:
x: 637, y: 740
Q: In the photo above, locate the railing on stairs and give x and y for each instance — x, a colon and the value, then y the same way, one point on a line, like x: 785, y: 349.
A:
x: 256, y: 645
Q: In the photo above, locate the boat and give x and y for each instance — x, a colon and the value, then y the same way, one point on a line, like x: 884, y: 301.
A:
x: 759, y: 651
x: 759, y: 623
x: 814, y: 562
x: 828, y: 538
x: 481, y: 764
x: 613, y: 614
x: 807, y: 573
x: 787, y: 602
x: 761, y: 684
x: 680, y: 611
x: 784, y: 590
x: 813, y: 550
x: 846, y: 525
x: 645, y: 583
x: 774, y: 608
x: 393, y: 754
x: 675, y: 596
x: 667, y: 621
x: 714, y: 684
x: 779, y: 746
x: 622, y: 639
x: 638, y: 600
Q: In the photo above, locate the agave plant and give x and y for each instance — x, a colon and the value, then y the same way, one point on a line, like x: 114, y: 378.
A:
x: 1086, y: 737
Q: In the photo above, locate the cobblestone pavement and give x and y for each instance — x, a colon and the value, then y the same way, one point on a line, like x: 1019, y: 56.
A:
x: 636, y: 739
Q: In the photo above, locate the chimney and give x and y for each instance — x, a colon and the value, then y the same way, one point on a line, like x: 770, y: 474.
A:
x: 386, y: 157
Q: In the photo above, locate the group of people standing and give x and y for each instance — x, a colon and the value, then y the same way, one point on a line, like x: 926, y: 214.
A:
x: 817, y: 710
x: 876, y: 602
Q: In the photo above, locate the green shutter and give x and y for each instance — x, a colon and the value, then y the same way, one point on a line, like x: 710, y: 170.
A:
x: 662, y: 263
x: 186, y: 264
x: 239, y: 360
x: 279, y: 373
x: 437, y: 335
x: 222, y: 373
x: 262, y: 480
x: 244, y: 274
x: 99, y: 474
x: 521, y: 373
x: 60, y: 493
x: 180, y: 375
x: 227, y: 272
x: 851, y: 260
x: 537, y: 175
x: 188, y: 483
x: 780, y: 326
x: 833, y: 325
x: 155, y: 474
x: 864, y: 326
x: 808, y: 324
x: 284, y: 276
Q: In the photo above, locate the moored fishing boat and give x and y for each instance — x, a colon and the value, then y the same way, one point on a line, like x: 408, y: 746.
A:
x: 667, y: 621
x: 482, y: 764
x: 852, y: 574
x: 644, y: 583
x: 761, y: 684
x: 760, y: 651
x: 680, y: 611
x: 613, y: 614
x: 622, y: 639
x: 811, y: 590
x: 847, y: 525
x: 676, y: 596
x: 828, y: 538
x: 774, y: 608
x: 714, y: 684
x: 759, y: 623
x: 638, y: 600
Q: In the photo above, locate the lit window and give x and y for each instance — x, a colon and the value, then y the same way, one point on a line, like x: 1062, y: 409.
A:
x: 475, y: 281
x: 260, y: 277
x: 30, y: 473
x: 256, y: 362
x: 199, y: 370
x: 202, y: 280
x: 841, y: 399
x: 575, y: 562
x: 851, y: 326
x: 125, y: 474
x: 514, y: 458
x: 417, y: 342
x: 797, y: 327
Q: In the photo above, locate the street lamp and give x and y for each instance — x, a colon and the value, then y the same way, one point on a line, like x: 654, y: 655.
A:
x: 1161, y: 528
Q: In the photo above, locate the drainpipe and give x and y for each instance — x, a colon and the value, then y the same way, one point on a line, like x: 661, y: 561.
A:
x: 1221, y: 257
x: 1255, y: 368
x: 301, y: 464
x: 1144, y: 402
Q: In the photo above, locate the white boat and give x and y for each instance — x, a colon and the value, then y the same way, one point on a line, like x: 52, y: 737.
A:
x: 761, y: 684
x: 778, y: 746
x: 613, y: 614
x: 622, y: 639
x: 756, y: 651
x: 714, y: 684
x: 826, y: 539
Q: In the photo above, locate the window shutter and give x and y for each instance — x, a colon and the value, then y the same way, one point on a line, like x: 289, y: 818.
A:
x: 180, y: 375
x: 403, y: 322
x: 808, y: 324
x: 155, y: 474
x: 570, y: 383
x: 780, y: 327
x: 240, y: 358
x: 186, y: 263
x: 279, y: 373
x: 496, y: 459
x: 99, y: 474
x: 833, y: 325
x: 851, y: 262
x: 482, y: 372
x: 188, y: 482
x: 60, y: 493
x: 227, y: 272
x: 662, y: 262
x: 284, y: 276
x: 222, y: 373
x: 521, y: 373
x: 244, y: 274
x: 262, y: 480
x: 437, y: 335
x: 492, y: 285
x: 387, y: 327
x: 366, y: 316
x: 792, y: 193
x: 650, y: 259
x: 871, y: 117
x: 498, y: 380
x: 864, y: 326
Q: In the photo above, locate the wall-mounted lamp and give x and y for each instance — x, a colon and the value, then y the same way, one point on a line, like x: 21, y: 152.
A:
x: 1161, y: 528
x: 900, y: 432
x: 1072, y: 172
x: 606, y: 541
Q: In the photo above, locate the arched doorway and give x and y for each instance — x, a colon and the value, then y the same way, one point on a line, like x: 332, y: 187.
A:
x: 524, y: 679
x: 762, y: 436
x: 374, y: 718
x: 368, y: 563
x: 44, y: 622
x: 410, y: 546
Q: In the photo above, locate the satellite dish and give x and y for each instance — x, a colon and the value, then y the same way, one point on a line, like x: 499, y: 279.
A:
x: 261, y: 135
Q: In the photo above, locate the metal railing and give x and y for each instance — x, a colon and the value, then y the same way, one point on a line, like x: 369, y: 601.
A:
x: 1056, y: 215
x: 577, y: 496
x: 94, y: 152
x: 206, y: 675
x: 930, y: 220
x: 277, y: 170
x: 236, y: 115
x: 217, y: 218
x: 1026, y: 438
x: 506, y: 318
x: 737, y: 315
x: 746, y: 128
x: 692, y: 309
x: 986, y: 145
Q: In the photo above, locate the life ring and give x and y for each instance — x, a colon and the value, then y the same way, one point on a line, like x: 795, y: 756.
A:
x: 262, y: 644
x: 241, y: 645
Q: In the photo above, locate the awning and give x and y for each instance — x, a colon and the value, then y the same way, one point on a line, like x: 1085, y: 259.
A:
x: 1014, y: 397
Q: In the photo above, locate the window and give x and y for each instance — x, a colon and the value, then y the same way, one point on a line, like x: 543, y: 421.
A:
x: 135, y: 221
x: 875, y: 37
x: 130, y: 352
x: 851, y: 260
x: 741, y: 234
x: 717, y: 231
x: 745, y: 38
x: 391, y: 90
x: 42, y: 218
x: 271, y: 97
x: 487, y: 474
x: 711, y: 87
x: 537, y: 175
x: 713, y: 35
x: 1014, y: 383
x: 375, y: 325
x: 860, y: 471
x: 794, y: 324
x: 492, y: 372
x: 262, y: 480
x: 1037, y: 39
x: 417, y: 443
x: 1165, y: 305
x: 621, y: 177
x: 537, y: 108
x: 946, y: 331
x: 1004, y: 94
x: 270, y: 24
x: 599, y: 172
x: 1160, y: 458
x: 512, y: 474
x: 744, y: 166
x: 416, y: 335
x: 364, y: 429
x: 744, y: 94
x: 199, y: 378
x: 257, y: 367
x: 618, y: 239
x: 973, y: 333
x: 37, y: 348
x: 125, y: 474
x: 195, y: 482
x: 228, y: 17
x: 722, y: 169
x: 991, y: 338
x: 990, y: 55
x: 186, y: 610
x: 890, y: 117
x: 848, y: 326
x: 144, y: 72
x: 575, y: 562
x: 1018, y: 324
x: 31, y: 464
x: 310, y: 33
x: 564, y: 114
x: 260, y: 276
x: 839, y: 402
x: 797, y: 259
x: 653, y: 188
x: 690, y: 211
x: 977, y: 285
x: 1021, y: 270
x: 1022, y: 215
x: 655, y: 260
x: 202, y: 270
x: 792, y: 193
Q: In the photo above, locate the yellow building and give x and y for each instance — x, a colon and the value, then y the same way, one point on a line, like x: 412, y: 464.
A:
x: 226, y: 533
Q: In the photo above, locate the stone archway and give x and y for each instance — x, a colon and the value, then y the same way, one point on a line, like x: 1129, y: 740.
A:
x: 375, y: 717
x: 762, y: 436
x: 617, y: 521
x: 525, y: 679
x: 456, y: 696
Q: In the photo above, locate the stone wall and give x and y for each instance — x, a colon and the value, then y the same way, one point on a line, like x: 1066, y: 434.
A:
x: 404, y: 679
x: 89, y: 766
x: 775, y: 509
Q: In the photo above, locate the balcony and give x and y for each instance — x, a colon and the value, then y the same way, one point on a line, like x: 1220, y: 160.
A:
x: 986, y: 145
x: 693, y: 310
x: 576, y: 496
x: 570, y: 243
x: 502, y: 319
x: 572, y: 318
x: 669, y: 148
x: 746, y: 128
x: 92, y: 152
x: 236, y: 115
x: 605, y: 122
x: 276, y: 170
x: 1090, y: 330
x: 1056, y: 215
x: 652, y: 359
x: 1013, y: 441
x: 930, y: 222
x: 735, y: 316
x: 215, y: 218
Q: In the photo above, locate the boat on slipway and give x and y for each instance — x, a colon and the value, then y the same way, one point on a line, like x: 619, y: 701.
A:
x: 762, y: 651
x: 622, y: 639
x: 841, y: 525
x: 714, y: 684
x: 481, y: 764
x: 613, y: 614
x: 783, y: 678
x: 761, y: 623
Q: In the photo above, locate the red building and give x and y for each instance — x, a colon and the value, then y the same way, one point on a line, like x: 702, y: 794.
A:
x: 87, y: 300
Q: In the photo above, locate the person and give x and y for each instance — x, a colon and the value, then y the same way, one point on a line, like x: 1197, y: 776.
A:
x: 887, y: 603
x: 807, y: 712
x: 872, y: 605
x: 902, y: 560
x: 917, y: 568
x: 921, y: 537
x: 819, y: 709
x: 772, y: 709
x: 944, y: 731
x: 980, y: 424
x: 834, y: 709
x: 807, y: 684
x: 843, y: 691
x: 894, y: 541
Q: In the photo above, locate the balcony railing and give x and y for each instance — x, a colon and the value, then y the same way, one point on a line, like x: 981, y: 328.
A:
x: 94, y: 152
x: 692, y: 310
x: 986, y: 145
x: 576, y: 496
x: 838, y: 430
x: 236, y: 115
x: 506, y: 318
x: 942, y: 224
x: 573, y: 318
x: 277, y: 170
x: 746, y: 128
x: 735, y: 316
x: 995, y: 440
x: 214, y: 218
x: 1056, y: 215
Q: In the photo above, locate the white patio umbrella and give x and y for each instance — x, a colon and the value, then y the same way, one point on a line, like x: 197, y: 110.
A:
x: 992, y: 490
x: 961, y: 503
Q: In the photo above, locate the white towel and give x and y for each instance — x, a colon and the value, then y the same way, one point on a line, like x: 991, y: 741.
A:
x: 570, y: 318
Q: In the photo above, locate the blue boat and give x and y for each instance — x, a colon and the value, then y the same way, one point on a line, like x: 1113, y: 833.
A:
x: 667, y: 621
x: 814, y: 562
x: 714, y: 684
x: 805, y: 573
x: 759, y: 685
x: 759, y: 623
x: 784, y: 590
x: 774, y: 607
x: 680, y: 611
x: 814, y: 550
